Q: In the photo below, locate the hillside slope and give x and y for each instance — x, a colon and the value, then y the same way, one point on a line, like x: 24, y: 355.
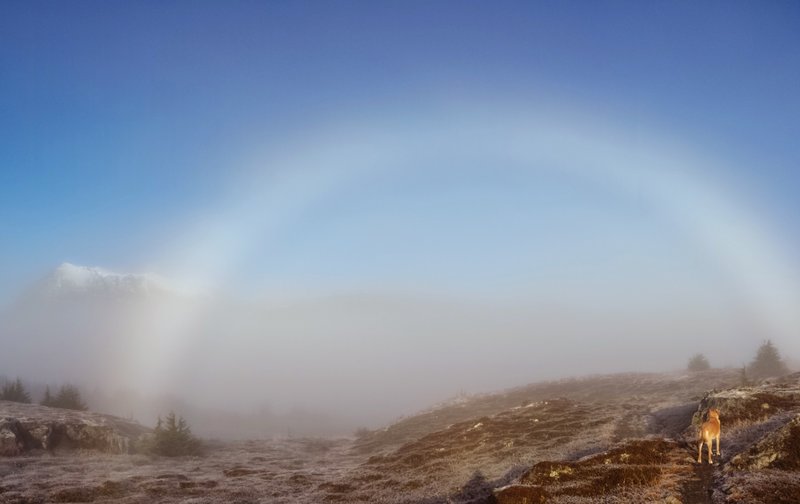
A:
x: 626, y: 438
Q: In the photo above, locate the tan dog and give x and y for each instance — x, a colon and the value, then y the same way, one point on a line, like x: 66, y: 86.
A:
x: 709, y: 431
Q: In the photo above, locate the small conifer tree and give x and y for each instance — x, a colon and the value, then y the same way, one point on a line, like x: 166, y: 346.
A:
x: 69, y: 397
x: 172, y: 437
x: 698, y: 362
x: 767, y: 362
x: 15, y: 391
x: 47, y: 400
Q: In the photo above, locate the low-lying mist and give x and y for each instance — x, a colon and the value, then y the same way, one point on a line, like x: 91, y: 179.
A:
x: 327, y: 365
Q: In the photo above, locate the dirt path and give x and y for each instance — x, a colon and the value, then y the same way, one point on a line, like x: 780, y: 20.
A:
x: 671, y: 422
x: 697, y: 490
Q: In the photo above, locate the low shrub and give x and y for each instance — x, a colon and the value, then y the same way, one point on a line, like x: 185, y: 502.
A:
x: 172, y: 437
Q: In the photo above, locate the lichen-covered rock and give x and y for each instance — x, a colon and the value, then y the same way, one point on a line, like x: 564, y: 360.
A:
x: 778, y: 450
x: 29, y: 426
x: 11, y: 440
x: 749, y: 404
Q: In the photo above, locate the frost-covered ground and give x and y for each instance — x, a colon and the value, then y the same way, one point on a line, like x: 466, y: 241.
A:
x: 621, y: 438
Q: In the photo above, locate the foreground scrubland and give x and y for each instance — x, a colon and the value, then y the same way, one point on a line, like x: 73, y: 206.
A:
x: 617, y: 438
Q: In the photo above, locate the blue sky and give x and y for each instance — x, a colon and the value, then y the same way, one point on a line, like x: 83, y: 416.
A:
x: 121, y: 123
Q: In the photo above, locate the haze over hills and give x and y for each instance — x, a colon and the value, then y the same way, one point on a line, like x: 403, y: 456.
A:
x: 140, y: 344
x: 105, y: 330
x: 86, y: 325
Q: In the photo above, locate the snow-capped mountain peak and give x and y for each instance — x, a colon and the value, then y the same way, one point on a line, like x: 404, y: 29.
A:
x: 69, y: 278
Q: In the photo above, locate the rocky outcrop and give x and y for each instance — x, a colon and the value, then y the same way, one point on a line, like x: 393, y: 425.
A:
x: 26, y: 427
x: 747, y: 405
x: 778, y: 450
x: 14, y: 439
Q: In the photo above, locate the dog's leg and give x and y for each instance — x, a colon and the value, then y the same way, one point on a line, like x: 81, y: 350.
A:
x: 718, y: 436
x: 708, y: 443
x: 700, y: 451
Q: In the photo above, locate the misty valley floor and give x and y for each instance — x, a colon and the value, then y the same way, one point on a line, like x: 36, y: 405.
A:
x: 619, y: 438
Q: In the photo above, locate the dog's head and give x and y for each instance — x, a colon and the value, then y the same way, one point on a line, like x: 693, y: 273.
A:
x: 713, y: 413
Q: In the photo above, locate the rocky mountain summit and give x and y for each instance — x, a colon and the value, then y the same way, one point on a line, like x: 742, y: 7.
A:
x: 70, y: 280
x: 26, y: 428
